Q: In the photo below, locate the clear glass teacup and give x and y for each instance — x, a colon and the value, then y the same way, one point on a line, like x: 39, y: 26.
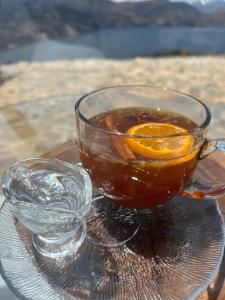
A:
x: 142, y: 144
x: 51, y: 198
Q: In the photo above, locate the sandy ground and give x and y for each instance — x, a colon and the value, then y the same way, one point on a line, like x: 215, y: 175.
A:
x: 201, y: 76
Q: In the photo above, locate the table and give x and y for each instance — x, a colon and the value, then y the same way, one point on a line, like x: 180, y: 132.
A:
x: 29, y: 129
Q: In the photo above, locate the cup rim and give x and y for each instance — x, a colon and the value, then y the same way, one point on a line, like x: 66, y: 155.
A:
x: 197, y: 130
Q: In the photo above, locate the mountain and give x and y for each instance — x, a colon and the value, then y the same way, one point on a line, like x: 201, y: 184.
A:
x: 24, y: 21
x: 217, y: 18
x: 214, y: 11
x: 210, y: 7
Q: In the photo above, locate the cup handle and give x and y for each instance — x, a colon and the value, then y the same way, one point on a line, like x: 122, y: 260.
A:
x: 198, y: 188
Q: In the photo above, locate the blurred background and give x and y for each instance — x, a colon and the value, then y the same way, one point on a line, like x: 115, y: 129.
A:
x: 54, y: 51
x: 172, y: 43
x: 49, y: 47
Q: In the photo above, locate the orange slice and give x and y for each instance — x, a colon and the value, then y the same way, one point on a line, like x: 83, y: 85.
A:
x: 159, y: 142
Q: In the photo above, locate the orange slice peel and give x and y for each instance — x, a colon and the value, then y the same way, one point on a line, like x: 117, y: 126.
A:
x: 159, y: 141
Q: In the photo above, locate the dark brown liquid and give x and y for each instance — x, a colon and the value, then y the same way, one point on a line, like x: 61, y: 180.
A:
x: 138, y: 182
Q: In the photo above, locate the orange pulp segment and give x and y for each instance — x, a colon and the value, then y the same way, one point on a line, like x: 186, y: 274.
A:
x: 158, y: 142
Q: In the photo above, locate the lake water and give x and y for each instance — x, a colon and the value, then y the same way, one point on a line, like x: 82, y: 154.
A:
x: 121, y: 43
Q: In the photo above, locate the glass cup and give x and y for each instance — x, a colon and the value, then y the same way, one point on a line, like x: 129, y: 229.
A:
x: 51, y: 198
x: 126, y: 173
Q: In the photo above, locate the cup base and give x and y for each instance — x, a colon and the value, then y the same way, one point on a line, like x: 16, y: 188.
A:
x: 59, y: 248
x: 109, y: 224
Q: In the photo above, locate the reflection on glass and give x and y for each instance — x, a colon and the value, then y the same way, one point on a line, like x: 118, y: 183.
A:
x: 51, y: 198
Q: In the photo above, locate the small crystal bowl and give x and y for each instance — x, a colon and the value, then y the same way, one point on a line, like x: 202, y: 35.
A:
x: 51, y: 198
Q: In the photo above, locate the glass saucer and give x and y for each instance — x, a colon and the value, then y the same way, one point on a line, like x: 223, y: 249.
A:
x: 175, y: 255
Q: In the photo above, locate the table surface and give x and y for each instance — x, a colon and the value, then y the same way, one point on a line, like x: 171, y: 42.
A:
x: 29, y: 129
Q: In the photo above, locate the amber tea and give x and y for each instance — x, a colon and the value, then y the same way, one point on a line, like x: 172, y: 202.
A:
x: 140, y: 157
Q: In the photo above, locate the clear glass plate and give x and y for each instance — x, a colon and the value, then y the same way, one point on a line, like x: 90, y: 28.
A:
x: 175, y: 255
